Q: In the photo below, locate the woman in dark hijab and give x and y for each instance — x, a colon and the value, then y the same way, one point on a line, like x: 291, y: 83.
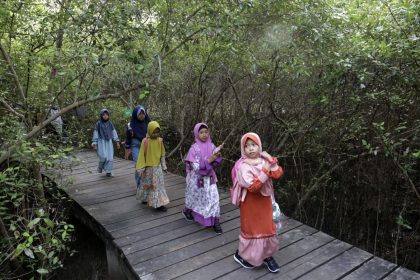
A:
x: 136, y: 131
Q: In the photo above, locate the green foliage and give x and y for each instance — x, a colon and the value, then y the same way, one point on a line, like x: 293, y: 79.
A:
x: 38, y: 233
x: 331, y: 87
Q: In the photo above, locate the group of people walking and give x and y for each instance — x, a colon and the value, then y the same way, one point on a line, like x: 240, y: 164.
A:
x: 252, y: 178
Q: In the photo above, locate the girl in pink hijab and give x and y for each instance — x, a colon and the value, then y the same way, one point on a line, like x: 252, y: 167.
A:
x: 201, y: 194
x: 258, y: 240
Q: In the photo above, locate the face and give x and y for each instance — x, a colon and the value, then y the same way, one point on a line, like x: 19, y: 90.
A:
x: 251, y: 149
x: 155, y: 134
x: 105, y: 116
x: 141, y: 116
x: 203, y: 134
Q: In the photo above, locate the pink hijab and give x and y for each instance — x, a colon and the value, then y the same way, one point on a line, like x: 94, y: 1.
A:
x: 205, y: 148
x: 254, y: 137
x: 237, y: 192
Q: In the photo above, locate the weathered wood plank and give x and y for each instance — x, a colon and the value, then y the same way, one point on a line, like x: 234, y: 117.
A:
x: 190, y: 235
x: 131, y: 210
x: 375, y: 268
x: 285, y: 255
x: 309, y: 261
x: 226, y: 266
x: 118, y: 191
x: 339, y: 266
x: 202, y: 260
x: 123, y: 185
x: 126, y: 227
x: 403, y: 274
x: 187, y: 228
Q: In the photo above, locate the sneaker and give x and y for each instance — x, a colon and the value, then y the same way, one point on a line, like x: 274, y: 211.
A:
x: 188, y: 216
x: 162, y: 208
x: 241, y: 261
x: 218, y: 228
x: 99, y: 170
x: 144, y: 202
x: 109, y: 175
x: 271, y: 264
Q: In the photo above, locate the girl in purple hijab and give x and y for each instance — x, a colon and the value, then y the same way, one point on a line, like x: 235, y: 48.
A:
x: 201, y: 194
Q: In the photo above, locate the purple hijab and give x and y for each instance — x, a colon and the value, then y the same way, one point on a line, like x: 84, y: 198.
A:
x: 205, y: 148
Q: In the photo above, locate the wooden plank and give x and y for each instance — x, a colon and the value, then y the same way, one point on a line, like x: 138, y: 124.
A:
x: 190, y: 228
x: 115, y: 191
x: 132, y: 209
x: 168, y: 232
x: 230, y: 223
x: 139, y: 224
x: 403, y: 274
x: 129, y: 226
x: 227, y: 265
x: 285, y: 255
x: 309, y: 261
x: 375, y: 268
x: 82, y: 190
x: 200, y: 261
x: 339, y: 266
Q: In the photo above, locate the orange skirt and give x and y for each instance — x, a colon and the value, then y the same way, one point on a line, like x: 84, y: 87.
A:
x: 257, y: 216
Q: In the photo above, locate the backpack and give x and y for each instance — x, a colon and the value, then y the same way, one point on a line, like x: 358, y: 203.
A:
x: 236, y: 191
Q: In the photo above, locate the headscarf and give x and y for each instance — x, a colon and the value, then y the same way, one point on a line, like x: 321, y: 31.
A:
x: 254, y: 137
x: 205, y: 149
x: 139, y: 127
x: 253, y: 168
x: 155, y: 149
x: 103, y: 127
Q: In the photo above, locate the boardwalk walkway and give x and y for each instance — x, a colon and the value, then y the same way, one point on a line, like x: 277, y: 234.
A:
x: 145, y: 244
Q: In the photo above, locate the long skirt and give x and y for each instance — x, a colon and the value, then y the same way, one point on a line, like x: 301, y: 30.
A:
x: 151, y: 188
x: 258, y: 239
x: 202, y: 202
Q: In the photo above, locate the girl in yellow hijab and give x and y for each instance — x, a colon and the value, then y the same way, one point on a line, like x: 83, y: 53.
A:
x: 150, y: 167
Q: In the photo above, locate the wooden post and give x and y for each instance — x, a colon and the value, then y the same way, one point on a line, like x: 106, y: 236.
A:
x: 114, y: 269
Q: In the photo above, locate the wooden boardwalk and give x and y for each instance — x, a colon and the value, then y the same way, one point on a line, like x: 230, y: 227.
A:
x: 145, y: 244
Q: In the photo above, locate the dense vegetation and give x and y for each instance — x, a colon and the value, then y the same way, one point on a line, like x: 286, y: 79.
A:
x: 331, y: 87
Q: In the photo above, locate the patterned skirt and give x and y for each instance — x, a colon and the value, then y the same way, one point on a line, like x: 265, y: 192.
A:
x: 202, y: 202
x: 151, y: 188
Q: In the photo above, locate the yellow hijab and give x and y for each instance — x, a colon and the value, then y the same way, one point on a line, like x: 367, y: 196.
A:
x: 155, y: 149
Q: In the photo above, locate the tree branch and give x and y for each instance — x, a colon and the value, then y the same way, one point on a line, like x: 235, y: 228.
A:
x: 8, y: 107
x: 186, y: 39
x: 10, y: 149
x: 316, y: 185
x: 12, y: 70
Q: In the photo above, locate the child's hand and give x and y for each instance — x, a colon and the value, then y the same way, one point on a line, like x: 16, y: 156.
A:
x: 213, y: 157
x: 267, y: 156
x: 165, y: 171
x: 217, y: 150
x: 267, y: 166
x: 94, y: 146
